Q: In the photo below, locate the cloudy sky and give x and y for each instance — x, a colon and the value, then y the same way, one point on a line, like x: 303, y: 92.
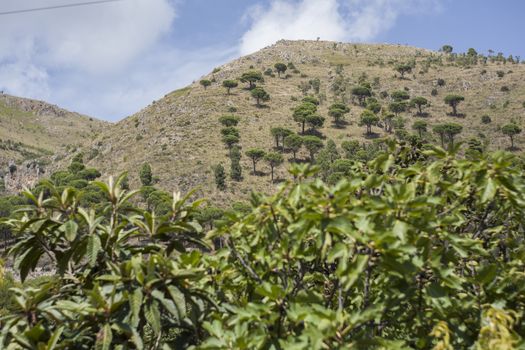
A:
x: 110, y: 59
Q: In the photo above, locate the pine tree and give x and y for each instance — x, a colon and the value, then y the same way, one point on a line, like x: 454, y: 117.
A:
x: 220, y: 177
x: 146, y: 176
x: 236, y: 169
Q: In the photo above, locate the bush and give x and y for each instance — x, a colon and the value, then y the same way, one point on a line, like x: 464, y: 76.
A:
x: 486, y: 119
x: 500, y: 73
x: 434, y: 92
x: 504, y: 88
x: 403, y: 239
x: 441, y: 82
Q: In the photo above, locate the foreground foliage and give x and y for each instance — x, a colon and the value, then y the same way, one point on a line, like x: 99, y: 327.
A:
x: 412, y: 250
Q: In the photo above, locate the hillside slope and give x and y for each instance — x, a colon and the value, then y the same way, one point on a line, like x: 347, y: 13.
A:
x: 179, y: 135
x: 31, y: 129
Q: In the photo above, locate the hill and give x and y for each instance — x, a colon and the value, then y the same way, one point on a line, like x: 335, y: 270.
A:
x: 180, y: 135
x: 32, y: 131
x: 31, y: 128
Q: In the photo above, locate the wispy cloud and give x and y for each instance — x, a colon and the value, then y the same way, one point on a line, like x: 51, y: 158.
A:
x: 339, y: 20
x: 111, y: 60
x: 43, y: 53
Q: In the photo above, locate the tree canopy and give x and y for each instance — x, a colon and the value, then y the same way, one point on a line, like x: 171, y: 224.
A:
x: 412, y: 250
x: 453, y: 101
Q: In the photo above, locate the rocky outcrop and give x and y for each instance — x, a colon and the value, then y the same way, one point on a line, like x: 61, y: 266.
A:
x: 16, y: 177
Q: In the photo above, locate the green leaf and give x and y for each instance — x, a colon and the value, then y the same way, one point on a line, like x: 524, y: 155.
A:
x: 152, y: 314
x: 487, y: 274
x: 53, y: 340
x: 93, y: 247
x: 490, y: 191
x: 104, y: 338
x: 135, y: 302
x: 70, y: 229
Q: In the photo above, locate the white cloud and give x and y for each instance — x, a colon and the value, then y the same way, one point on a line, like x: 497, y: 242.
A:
x: 338, y: 20
x: 110, y: 60
x: 93, y: 38
x: 307, y: 19
x: 66, y: 54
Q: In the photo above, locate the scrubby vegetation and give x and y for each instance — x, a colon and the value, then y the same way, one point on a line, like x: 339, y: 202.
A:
x: 369, y: 235
x: 413, y: 249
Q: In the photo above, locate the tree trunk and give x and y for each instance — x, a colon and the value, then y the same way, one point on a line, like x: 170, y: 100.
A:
x: 271, y: 167
x: 304, y: 122
x: 254, y: 171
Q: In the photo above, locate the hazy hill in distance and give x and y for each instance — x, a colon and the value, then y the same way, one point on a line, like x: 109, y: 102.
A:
x: 180, y: 135
x: 30, y: 129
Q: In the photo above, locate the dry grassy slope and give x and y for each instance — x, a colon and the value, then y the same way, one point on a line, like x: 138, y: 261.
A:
x: 180, y: 135
x: 42, y: 128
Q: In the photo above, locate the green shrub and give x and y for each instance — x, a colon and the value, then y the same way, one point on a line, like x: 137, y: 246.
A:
x: 486, y: 119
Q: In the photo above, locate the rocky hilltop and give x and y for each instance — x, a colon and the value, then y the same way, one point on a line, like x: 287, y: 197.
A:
x: 33, y: 132
x: 180, y: 134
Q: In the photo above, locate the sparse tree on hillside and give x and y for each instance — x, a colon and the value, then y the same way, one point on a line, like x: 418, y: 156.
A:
x: 220, y: 177
x: 315, y: 84
x: 369, y: 119
x: 255, y: 154
x: 338, y: 111
x: 350, y: 148
x: 397, y: 107
x: 279, y: 134
x: 447, y: 131
x: 280, y: 68
x: 331, y: 151
x: 205, y: 83
x: 230, y: 84
x: 259, y: 94
x: 453, y: 129
x: 229, y: 120
x: 420, y: 126
x: 313, y: 144
x: 236, y: 169
x: 146, y: 175
x: 311, y: 99
x: 373, y: 105
x: 251, y: 78
x: 315, y: 121
x: 403, y: 69
x: 388, y: 122
x: 440, y: 129
x: 361, y: 92
x: 273, y: 159
x: 419, y: 102
x: 230, y: 130
x: 511, y: 130
x: 230, y: 140
x: 293, y: 142
x: 301, y: 113
x: 400, y: 95
x: 453, y: 101
x: 447, y: 49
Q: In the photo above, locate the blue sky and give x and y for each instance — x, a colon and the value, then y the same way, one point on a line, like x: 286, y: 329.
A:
x: 110, y: 60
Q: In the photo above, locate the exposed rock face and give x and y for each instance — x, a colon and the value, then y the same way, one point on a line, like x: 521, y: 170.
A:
x: 36, y: 107
x: 25, y: 175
